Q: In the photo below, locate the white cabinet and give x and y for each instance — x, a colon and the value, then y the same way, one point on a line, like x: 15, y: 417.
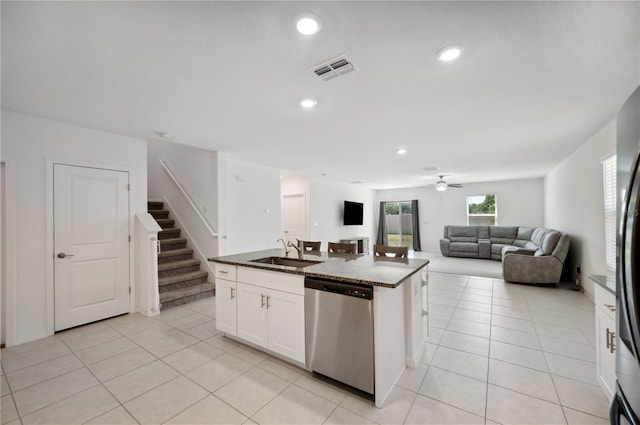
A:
x: 252, y: 314
x: 226, y: 307
x: 605, y: 340
x: 285, y: 324
x: 263, y: 308
x: 272, y: 319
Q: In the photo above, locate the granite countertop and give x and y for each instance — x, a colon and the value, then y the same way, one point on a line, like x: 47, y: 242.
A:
x: 601, y: 280
x: 359, y: 268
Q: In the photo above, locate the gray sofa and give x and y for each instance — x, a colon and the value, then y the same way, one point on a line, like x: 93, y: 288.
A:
x: 528, y: 254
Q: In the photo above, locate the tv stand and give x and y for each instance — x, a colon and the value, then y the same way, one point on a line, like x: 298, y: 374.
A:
x: 362, y: 244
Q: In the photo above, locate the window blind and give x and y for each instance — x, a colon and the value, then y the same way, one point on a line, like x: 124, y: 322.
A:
x: 609, y: 185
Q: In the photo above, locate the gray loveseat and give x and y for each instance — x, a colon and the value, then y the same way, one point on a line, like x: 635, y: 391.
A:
x: 528, y: 254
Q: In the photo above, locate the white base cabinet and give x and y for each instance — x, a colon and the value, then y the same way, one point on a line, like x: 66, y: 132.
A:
x: 605, y: 340
x: 226, y: 297
x: 268, y: 310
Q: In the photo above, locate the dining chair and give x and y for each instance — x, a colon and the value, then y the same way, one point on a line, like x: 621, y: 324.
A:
x: 342, y: 248
x: 311, y: 247
x: 390, y: 251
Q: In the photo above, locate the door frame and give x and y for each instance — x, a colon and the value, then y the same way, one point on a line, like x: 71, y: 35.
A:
x: 9, y: 236
x: 49, y: 237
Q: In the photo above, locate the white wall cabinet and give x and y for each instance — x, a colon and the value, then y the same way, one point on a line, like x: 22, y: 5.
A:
x: 605, y: 340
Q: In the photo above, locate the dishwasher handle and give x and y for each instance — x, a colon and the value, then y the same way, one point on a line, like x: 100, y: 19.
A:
x: 339, y: 288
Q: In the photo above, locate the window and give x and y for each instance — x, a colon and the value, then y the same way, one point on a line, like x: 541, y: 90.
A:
x: 609, y: 185
x: 482, y: 210
x: 398, y: 223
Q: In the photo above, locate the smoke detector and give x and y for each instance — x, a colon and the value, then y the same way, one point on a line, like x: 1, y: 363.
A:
x: 333, y: 68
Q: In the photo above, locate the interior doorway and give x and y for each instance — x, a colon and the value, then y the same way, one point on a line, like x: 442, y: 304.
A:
x: 294, y: 217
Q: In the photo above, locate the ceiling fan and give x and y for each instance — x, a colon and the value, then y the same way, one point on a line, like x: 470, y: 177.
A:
x: 442, y: 185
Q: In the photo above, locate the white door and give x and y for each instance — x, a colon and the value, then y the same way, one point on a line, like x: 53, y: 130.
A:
x: 252, y: 314
x: 286, y: 324
x: 91, y: 244
x: 294, y: 217
x: 226, y: 318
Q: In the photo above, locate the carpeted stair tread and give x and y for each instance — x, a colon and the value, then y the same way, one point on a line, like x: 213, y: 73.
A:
x: 205, y: 287
x: 172, y: 243
x: 177, y: 264
x: 166, y: 223
x: 166, y: 234
x: 182, y: 277
x: 155, y: 205
x: 179, y: 251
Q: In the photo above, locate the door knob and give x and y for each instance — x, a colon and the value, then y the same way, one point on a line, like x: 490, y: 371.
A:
x: 63, y: 255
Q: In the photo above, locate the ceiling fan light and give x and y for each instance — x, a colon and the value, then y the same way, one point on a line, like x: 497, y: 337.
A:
x: 441, y: 186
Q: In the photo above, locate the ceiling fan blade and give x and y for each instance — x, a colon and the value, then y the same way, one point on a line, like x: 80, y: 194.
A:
x: 456, y: 185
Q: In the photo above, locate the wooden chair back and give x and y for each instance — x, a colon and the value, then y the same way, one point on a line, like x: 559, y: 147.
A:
x: 390, y: 251
x: 311, y: 247
x: 342, y: 248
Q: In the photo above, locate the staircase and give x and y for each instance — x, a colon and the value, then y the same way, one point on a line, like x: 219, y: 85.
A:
x: 180, y: 279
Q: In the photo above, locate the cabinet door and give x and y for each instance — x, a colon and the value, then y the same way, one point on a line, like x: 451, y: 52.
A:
x: 605, y: 359
x: 226, y: 306
x: 252, y: 314
x: 286, y: 324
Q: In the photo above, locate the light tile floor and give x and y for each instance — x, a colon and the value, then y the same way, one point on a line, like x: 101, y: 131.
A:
x: 495, y: 353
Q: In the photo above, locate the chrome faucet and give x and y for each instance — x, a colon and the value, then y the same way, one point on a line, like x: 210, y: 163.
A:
x: 286, y: 251
x: 297, y: 247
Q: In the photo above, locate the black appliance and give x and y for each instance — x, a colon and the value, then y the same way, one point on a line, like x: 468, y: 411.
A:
x: 625, y: 406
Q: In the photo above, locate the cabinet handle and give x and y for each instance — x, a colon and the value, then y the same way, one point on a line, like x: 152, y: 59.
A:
x: 610, y: 307
x: 612, y: 346
x: 262, y: 306
x: 223, y: 271
x: 608, y: 338
x: 232, y: 294
x: 268, y: 305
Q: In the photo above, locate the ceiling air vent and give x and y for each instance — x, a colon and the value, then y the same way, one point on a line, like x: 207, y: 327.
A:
x: 334, y: 68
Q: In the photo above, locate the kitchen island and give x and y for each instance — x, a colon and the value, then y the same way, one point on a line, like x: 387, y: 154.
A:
x: 260, y: 301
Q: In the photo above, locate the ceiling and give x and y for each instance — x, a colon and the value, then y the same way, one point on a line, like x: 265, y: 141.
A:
x: 535, y: 81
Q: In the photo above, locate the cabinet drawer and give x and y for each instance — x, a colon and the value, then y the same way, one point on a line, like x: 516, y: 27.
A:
x: 226, y: 271
x: 272, y: 280
x: 605, y: 301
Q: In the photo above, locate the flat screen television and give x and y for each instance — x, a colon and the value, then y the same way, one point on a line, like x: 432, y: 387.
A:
x: 353, y: 213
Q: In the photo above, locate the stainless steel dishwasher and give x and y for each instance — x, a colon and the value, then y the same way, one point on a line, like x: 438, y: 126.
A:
x: 339, y: 332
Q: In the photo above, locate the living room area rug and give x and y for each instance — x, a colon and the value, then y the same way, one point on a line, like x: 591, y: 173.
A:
x: 463, y: 266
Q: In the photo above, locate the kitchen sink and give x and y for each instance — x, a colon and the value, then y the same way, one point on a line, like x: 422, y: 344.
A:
x: 285, y: 261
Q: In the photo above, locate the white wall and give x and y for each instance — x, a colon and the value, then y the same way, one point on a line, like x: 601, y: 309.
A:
x: 326, y: 200
x: 28, y: 142
x: 253, y: 207
x: 519, y: 203
x: 197, y: 171
x: 574, y: 204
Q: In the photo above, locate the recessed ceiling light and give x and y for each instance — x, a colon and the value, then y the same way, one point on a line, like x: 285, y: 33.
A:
x: 449, y: 53
x: 401, y: 151
x: 308, y: 24
x: 308, y: 103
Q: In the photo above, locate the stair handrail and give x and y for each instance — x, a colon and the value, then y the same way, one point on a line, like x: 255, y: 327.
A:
x: 186, y: 195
